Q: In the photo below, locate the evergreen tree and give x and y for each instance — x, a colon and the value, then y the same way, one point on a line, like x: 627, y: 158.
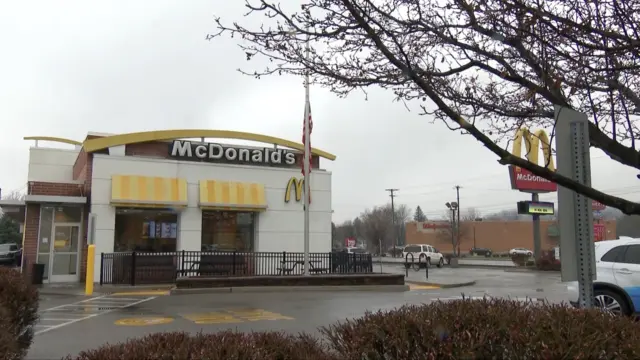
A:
x: 419, y: 216
x: 9, y: 231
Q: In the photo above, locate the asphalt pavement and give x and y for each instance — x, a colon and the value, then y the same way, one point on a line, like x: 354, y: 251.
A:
x: 113, y: 318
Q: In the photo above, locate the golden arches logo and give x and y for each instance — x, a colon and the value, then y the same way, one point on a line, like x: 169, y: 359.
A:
x: 531, y: 142
x: 295, y: 185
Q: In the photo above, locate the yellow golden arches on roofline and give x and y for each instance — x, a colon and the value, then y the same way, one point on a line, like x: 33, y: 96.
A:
x: 161, y: 135
x: 53, y: 139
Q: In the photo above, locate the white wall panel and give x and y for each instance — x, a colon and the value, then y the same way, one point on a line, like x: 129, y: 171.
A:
x: 51, y: 165
x: 280, y: 228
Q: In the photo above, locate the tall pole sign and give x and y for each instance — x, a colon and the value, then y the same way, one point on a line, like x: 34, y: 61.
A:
x: 525, y: 181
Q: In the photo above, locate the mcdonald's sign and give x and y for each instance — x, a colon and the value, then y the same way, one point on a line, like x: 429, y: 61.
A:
x: 295, y: 185
x: 523, y: 179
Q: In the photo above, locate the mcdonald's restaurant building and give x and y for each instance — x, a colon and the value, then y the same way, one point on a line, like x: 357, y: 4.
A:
x: 158, y: 192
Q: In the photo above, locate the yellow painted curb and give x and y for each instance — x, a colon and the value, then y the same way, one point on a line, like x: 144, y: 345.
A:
x: 143, y: 293
x: 144, y: 321
x: 423, y: 287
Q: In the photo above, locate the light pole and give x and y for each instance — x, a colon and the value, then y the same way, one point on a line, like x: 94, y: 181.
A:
x: 453, y: 206
x: 474, y: 231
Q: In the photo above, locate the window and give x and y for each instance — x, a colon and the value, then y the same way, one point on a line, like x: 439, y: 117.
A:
x: 430, y: 249
x: 632, y: 255
x: 67, y: 214
x: 614, y: 255
x: 413, y: 249
x: 145, y: 230
x: 228, y: 231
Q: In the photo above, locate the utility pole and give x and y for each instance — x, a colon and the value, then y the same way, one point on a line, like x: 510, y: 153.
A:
x: 393, y: 220
x: 457, y: 187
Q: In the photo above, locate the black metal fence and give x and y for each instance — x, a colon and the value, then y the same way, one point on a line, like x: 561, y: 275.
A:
x: 136, y: 268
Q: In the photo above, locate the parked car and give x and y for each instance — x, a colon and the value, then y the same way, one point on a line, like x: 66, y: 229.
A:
x: 426, y: 254
x: 480, y: 251
x: 520, y: 251
x: 617, y: 285
x: 10, y: 254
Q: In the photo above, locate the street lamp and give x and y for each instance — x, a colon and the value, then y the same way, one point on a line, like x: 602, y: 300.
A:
x: 453, y: 206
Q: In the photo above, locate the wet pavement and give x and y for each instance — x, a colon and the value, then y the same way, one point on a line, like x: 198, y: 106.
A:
x: 115, y: 318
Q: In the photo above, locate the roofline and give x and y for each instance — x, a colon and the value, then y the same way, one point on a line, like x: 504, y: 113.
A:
x: 92, y: 145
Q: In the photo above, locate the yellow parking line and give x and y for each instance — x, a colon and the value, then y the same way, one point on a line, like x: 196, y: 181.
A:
x: 422, y: 287
x: 258, y: 315
x: 212, y: 318
x: 142, y: 293
x: 144, y: 321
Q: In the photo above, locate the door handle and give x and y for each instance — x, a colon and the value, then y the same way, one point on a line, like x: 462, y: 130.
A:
x: 624, y: 271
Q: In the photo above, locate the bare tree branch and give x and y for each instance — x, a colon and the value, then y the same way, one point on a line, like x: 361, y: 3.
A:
x: 485, y: 67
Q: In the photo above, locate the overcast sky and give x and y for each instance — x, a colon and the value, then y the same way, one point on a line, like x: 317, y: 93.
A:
x: 121, y: 66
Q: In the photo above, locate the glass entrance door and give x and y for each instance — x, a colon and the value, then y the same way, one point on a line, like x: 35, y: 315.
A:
x: 63, y: 266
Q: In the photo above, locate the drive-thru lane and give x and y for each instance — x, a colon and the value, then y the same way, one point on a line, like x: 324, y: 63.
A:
x: 67, y: 314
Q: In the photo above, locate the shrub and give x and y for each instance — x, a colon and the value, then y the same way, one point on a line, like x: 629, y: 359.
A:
x: 485, y: 329
x: 225, y: 345
x: 548, y: 261
x: 20, y: 302
x: 8, y: 341
x: 520, y: 259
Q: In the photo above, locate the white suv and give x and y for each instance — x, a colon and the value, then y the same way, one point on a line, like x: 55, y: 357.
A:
x: 425, y: 254
x: 617, y: 284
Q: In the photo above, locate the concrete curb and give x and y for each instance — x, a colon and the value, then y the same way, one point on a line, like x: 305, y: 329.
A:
x: 442, y: 286
x: 488, y: 266
x: 100, y: 290
x: 525, y: 270
x: 253, y: 289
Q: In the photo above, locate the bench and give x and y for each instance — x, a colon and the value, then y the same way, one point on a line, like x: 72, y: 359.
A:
x: 220, y: 264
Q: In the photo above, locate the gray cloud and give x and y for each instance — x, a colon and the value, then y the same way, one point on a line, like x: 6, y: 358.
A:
x: 123, y: 66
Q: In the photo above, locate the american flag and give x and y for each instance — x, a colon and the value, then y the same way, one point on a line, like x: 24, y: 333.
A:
x: 307, y: 142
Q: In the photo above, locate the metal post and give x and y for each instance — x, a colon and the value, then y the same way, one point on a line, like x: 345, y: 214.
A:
x: 458, y: 220
x: 380, y: 255
x: 453, y: 231
x: 307, y: 160
x: 576, y: 227
x: 537, y: 246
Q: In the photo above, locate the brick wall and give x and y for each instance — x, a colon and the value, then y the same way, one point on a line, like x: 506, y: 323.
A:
x: 499, y: 236
x: 55, y: 189
x: 31, y: 227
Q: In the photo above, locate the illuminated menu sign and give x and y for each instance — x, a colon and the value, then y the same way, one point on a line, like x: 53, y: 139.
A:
x: 536, y: 208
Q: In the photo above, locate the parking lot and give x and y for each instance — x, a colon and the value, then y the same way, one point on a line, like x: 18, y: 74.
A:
x: 71, y: 324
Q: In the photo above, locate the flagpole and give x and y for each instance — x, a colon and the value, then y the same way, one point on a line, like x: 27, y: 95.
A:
x: 307, y: 161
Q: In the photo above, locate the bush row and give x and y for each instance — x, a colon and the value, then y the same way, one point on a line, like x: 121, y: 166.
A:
x: 18, y: 314
x: 465, y: 329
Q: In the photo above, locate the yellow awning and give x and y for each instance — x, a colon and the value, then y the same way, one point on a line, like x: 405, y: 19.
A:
x: 148, y: 192
x: 228, y: 195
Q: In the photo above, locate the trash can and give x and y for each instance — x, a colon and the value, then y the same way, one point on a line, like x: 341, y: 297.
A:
x: 37, y: 274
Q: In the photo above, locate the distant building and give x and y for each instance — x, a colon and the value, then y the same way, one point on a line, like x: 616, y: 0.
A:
x: 499, y: 236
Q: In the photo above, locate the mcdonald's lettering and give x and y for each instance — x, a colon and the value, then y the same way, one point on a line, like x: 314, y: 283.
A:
x: 295, y: 185
x: 523, y: 179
